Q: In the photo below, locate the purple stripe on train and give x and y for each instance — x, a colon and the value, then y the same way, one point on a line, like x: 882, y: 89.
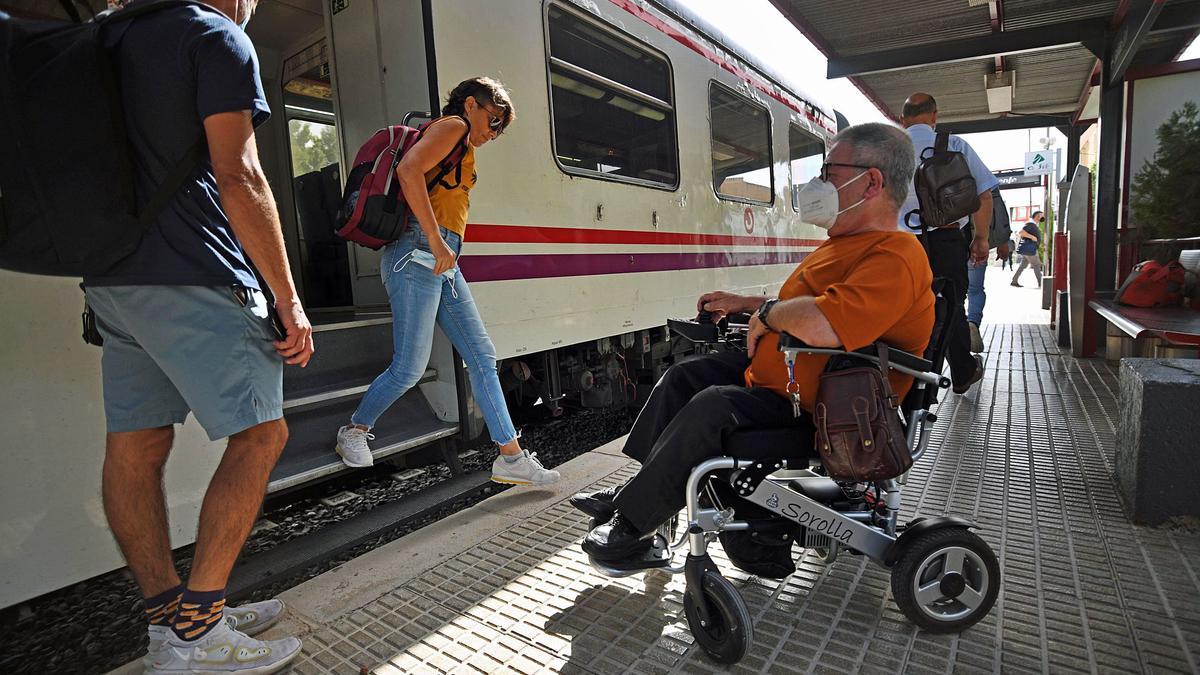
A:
x: 507, y: 267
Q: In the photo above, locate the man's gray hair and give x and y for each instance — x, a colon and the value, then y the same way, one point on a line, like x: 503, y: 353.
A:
x: 886, y: 148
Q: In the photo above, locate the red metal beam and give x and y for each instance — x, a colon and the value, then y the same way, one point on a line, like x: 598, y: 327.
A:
x: 1084, y: 95
x: 827, y: 50
x: 996, y: 16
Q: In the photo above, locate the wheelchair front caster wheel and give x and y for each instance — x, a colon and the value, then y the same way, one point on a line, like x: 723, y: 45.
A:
x: 727, y: 633
x: 946, y: 580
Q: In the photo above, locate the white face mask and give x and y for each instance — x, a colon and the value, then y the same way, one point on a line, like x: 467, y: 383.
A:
x: 818, y: 202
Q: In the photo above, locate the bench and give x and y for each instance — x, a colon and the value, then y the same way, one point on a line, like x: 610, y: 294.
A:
x: 1155, y: 458
x: 1151, y: 331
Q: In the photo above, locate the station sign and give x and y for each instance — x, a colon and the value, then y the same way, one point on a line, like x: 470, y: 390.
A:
x: 1016, y: 178
x: 1039, y: 163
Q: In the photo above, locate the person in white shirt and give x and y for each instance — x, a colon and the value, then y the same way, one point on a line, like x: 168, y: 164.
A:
x: 949, y: 251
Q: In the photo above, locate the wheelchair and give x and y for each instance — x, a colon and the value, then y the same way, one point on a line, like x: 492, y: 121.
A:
x: 944, y: 577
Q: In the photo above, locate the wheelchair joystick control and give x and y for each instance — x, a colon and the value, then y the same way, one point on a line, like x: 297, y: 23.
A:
x: 704, y: 317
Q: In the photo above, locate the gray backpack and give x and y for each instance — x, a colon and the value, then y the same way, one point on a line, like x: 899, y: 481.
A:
x: 946, y: 190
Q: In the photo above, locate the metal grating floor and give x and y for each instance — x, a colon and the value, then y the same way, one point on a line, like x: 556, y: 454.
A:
x: 1027, y: 455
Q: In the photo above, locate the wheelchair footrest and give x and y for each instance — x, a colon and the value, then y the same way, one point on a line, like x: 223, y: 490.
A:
x: 656, y: 557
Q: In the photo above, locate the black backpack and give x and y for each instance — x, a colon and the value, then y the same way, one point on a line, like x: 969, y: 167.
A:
x: 946, y: 190
x: 67, y: 199
x: 1001, y: 230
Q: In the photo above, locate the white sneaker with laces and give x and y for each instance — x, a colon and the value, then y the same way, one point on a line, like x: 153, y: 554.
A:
x: 223, y: 650
x: 250, y: 619
x: 352, y: 447
x: 527, y: 470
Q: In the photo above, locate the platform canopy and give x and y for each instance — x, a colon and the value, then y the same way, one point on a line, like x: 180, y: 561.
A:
x: 1049, y: 51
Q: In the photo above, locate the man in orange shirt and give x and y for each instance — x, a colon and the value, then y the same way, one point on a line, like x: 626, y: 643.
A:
x: 866, y: 282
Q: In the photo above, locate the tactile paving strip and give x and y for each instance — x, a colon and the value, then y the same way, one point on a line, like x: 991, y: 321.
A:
x: 1027, y: 455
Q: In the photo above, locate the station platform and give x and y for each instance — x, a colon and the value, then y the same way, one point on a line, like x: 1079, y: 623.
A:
x: 1028, y: 455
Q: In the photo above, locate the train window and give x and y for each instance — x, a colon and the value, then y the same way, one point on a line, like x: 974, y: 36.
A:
x: 612, y: 106
x: 741, y: 147
x: 806, y: 152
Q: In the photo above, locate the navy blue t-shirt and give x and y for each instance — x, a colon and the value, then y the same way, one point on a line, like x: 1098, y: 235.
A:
x: 177, y: 67
x: 1029, y: 246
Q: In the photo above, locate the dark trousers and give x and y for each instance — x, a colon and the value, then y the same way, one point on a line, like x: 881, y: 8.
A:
x: 693, y: 407
x: 949, y: 252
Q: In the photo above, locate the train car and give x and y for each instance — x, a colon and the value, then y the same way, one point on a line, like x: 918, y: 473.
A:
x: 652, y: 160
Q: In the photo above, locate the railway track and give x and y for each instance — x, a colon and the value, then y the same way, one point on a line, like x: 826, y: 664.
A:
x: 96, y: 625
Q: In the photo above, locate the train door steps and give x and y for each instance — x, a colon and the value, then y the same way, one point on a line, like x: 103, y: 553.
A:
x: 347, y: 354
x: 320, y: 398
x: 409, y: 423
x: 292, y: 556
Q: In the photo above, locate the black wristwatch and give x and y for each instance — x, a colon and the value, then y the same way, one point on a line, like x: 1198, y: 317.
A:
x: 764, y: 310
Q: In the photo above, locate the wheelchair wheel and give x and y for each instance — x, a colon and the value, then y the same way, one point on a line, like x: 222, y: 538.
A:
x: 946, y: 580
x: 728, y: 636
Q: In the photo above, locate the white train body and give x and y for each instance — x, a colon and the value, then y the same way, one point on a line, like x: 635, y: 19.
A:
x: 557, y: 257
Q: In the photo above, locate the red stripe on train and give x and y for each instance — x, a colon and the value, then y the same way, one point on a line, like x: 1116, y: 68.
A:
x: 532, y: 234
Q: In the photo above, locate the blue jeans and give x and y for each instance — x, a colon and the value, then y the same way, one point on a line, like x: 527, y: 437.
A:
x: 419, y: 299
x: 976, y: 297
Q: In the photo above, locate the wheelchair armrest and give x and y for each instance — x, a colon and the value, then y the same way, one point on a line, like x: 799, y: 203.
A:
x: 705, y: 333
x: 895, y: 356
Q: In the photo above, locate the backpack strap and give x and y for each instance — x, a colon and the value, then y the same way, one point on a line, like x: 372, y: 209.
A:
x: 71, y: 10
x: 171, y: 183
x: 146, y: 7
x: 452, y: 160
x: 942, y: 142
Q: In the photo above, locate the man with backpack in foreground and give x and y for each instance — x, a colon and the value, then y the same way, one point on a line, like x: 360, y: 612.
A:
x: 180, y: 310
x: 976, y: 270
x: 945, y: 243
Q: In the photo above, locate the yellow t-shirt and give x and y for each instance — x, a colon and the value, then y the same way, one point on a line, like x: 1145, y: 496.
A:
x: 451, y: 196
x: 870, y: 286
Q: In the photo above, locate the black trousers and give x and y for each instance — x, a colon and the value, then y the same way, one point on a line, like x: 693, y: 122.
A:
x: 949, y: 251
x: 693, y: 407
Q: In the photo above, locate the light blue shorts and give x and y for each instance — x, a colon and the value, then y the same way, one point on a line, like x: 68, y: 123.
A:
x: 169, y: 350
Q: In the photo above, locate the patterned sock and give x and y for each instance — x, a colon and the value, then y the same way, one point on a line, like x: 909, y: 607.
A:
x: 199, y: 612
x: 160, y: 609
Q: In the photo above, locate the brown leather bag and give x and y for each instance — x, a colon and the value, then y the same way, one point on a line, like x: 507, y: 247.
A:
x: 859, y: 434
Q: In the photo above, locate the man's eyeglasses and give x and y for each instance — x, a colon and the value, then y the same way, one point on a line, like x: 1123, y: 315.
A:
x: 826, y: 165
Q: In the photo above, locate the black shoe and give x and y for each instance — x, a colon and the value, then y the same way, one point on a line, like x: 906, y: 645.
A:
x: 1015, y: 284
x: 977, y: 376
x: 618, y: 540
x: 598, y: 505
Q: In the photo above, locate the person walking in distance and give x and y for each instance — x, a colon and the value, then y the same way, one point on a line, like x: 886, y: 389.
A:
x: 949, y: 250
x: 426, y: 289
x: 186, y: 328
x: 1030, y: 238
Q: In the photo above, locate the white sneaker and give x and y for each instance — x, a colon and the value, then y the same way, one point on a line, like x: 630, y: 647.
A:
x: 352, y: 447
x: 527, y: 470
x: 223, y: 650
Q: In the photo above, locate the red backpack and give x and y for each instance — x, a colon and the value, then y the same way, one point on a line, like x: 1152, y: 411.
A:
x: 373, y: 211
x: 1153, y: 284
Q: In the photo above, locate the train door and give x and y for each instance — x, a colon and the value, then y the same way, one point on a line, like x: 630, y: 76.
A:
x: 315, y: 163
x: 380, y: 75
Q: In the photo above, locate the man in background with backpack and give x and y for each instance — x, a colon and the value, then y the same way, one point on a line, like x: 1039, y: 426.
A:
x: 186, y: 328
x: 946, y: 244
x: 1029, y: 238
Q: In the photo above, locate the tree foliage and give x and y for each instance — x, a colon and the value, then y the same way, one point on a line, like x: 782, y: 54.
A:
x: 1166, y: 192
x: 314, y: 146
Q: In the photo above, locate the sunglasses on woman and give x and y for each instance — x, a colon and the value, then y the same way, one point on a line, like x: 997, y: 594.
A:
x: 495, y: 122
